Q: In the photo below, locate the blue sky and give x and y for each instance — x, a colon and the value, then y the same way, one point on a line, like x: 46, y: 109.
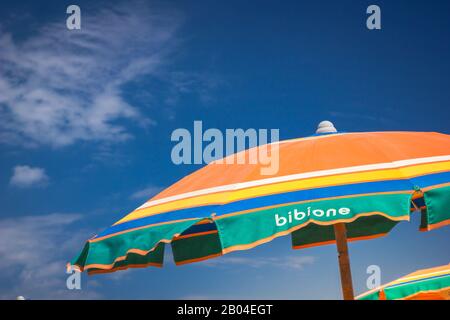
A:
x: 86, y: 118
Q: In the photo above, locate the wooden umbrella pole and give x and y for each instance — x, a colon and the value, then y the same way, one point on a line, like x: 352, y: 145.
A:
x: 340, y: 232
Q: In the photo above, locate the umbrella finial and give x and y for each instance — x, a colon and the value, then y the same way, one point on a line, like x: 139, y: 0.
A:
x: 326, y: 127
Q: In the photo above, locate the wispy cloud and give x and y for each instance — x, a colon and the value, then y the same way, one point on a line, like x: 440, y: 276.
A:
x: 26, y: 176
x: 34, y: 251
x: 200, y: 84
x: 362, y: 117
x: 146, y: 193
x: 60, y: 86
x: 286, y: 262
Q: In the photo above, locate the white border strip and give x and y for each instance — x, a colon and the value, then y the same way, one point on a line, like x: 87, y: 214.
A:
x: 298, y: 176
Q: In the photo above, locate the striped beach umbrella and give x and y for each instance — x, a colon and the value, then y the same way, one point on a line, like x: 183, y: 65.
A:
x: 329, y: 188
x: 426, y: 284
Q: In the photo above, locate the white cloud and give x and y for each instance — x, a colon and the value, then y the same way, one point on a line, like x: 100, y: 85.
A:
x: 25, y: 176
x: 34, y: 251
x: 61, y: 86
x: 146, y: 193
x: 287, y: 262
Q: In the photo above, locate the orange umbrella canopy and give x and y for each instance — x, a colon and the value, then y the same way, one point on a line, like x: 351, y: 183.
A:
x: 369, y: 181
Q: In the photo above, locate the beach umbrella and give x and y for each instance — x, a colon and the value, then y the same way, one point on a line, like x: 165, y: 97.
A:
x: 426, y: 284
x: 331, y: 187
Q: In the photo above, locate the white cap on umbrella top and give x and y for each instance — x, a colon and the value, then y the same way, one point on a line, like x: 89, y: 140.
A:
x: 326, y: 127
